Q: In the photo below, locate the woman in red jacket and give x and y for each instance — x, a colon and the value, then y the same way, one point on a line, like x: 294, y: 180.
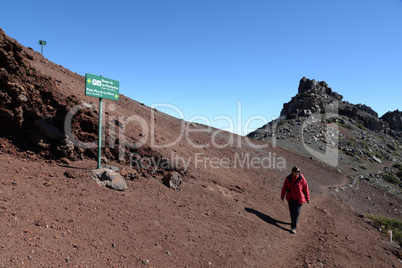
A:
x: 296, y: 189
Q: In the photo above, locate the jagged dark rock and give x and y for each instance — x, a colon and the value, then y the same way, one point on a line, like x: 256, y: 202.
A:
x: 312, y: 97
x: 367, y: 109
x: 317, y: 97
x: 394, y: 119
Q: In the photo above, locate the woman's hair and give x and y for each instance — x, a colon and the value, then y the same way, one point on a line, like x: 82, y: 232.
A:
x: 296, y: 169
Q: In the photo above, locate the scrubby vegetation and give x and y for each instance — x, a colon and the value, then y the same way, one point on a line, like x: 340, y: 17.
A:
x: 399, y: 172
x: 343, y: 125
x: 391, y: 179
x: 384, y: 224
x: 361, y: 127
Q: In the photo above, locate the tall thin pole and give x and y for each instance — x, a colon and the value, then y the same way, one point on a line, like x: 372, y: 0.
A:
x: 100, y: 133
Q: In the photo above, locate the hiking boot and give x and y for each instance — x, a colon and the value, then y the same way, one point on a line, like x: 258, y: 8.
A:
x: 293, y: 231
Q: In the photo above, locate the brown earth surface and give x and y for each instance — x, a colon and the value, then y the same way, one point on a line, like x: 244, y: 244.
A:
x: 226, y: 213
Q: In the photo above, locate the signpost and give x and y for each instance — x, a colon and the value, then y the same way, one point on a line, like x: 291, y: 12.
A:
x: 102, y: 88
x: 42, y: 43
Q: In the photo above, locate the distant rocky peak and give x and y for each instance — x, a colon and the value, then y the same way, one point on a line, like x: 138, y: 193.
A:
x: 317, y: 97
x: 310, y: 87
x: 366, y: 109
x: 312, y: 97
x: 394, y: 119
x: 307, y: 86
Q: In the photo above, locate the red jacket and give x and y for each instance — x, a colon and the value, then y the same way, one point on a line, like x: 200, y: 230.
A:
x: 296, y: 190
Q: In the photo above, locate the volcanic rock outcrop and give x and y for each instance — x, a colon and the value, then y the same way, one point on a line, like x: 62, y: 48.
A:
x: 394, y: 119
x: 318, y: 97
x: 37, y: 105
x: 31, y: 112
x: 318, y: 119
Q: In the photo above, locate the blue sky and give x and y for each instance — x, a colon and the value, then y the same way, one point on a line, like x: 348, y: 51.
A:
x: 215, y: 61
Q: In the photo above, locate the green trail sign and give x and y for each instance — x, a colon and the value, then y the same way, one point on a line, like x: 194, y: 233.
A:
x: 101, y: 87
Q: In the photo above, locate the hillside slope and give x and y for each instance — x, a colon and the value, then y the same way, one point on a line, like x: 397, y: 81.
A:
x: 226, y: 213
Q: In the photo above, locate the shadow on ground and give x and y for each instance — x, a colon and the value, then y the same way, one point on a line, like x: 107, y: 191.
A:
x: 267, y: 218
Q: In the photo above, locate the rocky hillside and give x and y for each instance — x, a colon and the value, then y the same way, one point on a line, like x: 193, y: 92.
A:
x: 350, y: 138
x: 40, y: 100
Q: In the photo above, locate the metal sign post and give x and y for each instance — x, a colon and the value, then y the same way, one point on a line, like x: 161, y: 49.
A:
x: 42, y: 43
x: 98, y: 86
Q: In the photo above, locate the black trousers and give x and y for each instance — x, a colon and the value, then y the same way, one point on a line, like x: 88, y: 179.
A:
x: 294, y: 209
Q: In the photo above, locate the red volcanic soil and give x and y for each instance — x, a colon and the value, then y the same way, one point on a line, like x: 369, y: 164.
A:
x: 226, y: 213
